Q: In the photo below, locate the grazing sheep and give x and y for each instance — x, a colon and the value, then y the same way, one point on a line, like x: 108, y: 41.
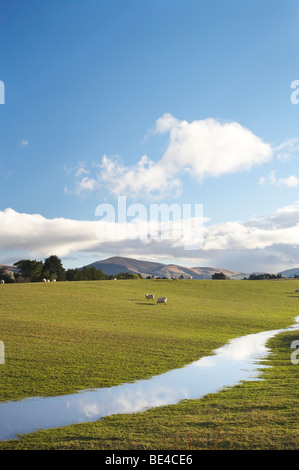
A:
x: 297, y: 290
x: 149, y: 296
x: 2, y: 281
x: 162, y: 300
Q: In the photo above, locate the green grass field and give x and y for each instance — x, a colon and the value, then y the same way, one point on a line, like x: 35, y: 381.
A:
x: 68, y: 336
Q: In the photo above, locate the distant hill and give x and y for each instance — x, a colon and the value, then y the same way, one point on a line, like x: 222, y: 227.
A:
x: 290, y: 272
x: 117, y: 264
x: 9, y: 269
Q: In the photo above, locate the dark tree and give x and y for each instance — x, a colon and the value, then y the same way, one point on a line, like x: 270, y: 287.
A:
x: 53, y: 268
x: 263, y: 276
x: 85, y: 274
x: 218, y: 276
x: 30, y: 270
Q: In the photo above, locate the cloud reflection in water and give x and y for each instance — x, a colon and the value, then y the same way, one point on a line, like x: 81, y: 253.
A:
x: 235, y: 362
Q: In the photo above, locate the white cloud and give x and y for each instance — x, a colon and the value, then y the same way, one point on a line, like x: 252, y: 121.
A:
x: 287, y: 149
x: 290, y: 181
x: 203, y: 148
x: 37, y: 236
x: 209, y: 148
x: 165, y: 123
x: 267, y: 243
x: 238, y: 235
x: 81, y: 171
x: 144, y: 179
x: 85, y: 185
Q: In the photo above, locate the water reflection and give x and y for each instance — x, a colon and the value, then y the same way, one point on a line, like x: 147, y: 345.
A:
x: 236, y: 361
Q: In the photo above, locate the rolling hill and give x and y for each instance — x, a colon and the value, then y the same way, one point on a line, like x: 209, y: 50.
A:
x: 290, y: 272
x: 9, y: 269
x: 117, y: 264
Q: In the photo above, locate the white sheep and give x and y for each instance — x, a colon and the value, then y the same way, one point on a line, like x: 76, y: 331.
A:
x: 2, y: 281
x: 162, y: 300
x: 149, y: 296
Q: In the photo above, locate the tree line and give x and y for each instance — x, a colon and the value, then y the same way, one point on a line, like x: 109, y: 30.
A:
x: 252, y: 277
x: 260, y: 277
x: 51, y: 268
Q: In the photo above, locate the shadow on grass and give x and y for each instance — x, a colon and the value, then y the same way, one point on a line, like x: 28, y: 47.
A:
x: 139, y: 302
x: 145, y: 303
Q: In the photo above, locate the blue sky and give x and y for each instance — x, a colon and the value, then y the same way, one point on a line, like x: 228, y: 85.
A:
x: 170, y: 101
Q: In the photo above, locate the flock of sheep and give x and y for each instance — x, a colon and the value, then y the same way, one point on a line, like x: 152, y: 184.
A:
x: 160, y: 300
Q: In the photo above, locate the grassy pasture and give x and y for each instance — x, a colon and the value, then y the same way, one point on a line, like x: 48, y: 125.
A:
x: 68, y: 336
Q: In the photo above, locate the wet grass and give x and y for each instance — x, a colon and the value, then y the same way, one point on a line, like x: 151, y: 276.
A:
x: 65, y: 337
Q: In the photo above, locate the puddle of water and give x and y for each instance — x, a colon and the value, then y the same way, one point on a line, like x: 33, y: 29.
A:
x: 235, y: 362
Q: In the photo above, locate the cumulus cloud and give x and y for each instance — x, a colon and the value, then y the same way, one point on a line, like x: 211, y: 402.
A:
x: 85, y: 184
x: 202, y: 148
x: 238, y: 235
x: 267, y: 243
x: 291, y: 181
x: 38, y: 236
x: 209, y: 148
x: 146, y: 178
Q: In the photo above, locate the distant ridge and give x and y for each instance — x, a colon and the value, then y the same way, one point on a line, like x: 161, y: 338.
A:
x: 290, y: 272
x: 117, y: 264
x: 9, y: 268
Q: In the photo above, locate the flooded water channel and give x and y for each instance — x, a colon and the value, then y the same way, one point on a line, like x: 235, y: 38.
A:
x: 237, y: 361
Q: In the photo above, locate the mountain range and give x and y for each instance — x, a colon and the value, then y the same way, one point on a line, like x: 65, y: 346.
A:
x: 118, y: 264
